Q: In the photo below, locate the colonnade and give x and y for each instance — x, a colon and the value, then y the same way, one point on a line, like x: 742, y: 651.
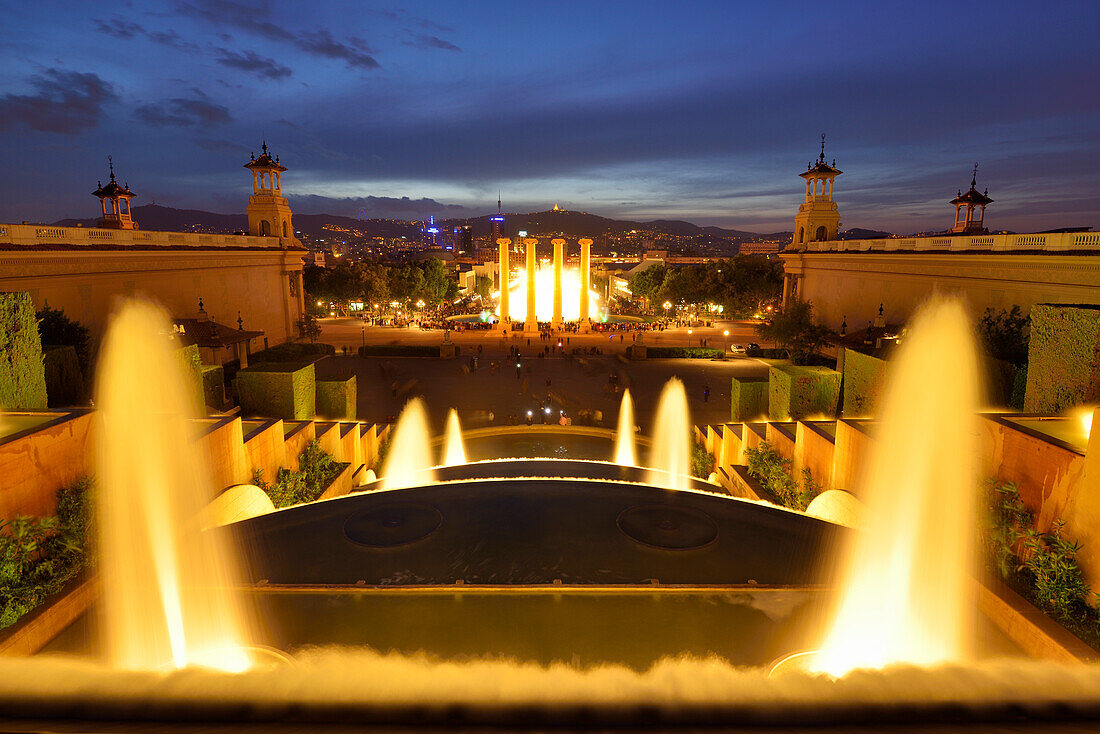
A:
x: 504, y: 265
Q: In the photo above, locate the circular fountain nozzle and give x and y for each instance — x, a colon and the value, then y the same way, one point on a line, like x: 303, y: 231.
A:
x: 392, y: 525
x: 667, y: 527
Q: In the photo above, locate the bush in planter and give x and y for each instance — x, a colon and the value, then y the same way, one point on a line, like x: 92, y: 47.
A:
x: 1063, y: 364
x: 282, y: 390
x: 773, y: 471
x: 337, y: 398
x: 748, y: 398
x: 316, y: 471
x: 683, y: 352
x: 796, y: 392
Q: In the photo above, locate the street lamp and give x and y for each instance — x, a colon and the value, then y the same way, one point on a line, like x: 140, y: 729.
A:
x: 364, y: 328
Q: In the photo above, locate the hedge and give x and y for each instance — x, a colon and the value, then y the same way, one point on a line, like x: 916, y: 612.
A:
x: 64, y: 380
x: 399, y: 350
x: 863, y: 381
x: 683, y: 352
x: 1063, y: 358
x: 337, y: 398
x: 282, y: 390
x: 292, y: 352
x: 213, y: 385
x: 748, y: 398
x: 797, y: 392
x: 22, y: 376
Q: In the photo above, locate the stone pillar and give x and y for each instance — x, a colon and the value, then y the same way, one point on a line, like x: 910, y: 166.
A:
x: 532, y: 325
x: 504, y: 266
x: 586, y: 279
x: 559, y: 258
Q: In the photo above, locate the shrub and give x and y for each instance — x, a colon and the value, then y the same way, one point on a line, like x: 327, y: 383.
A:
x: 774, y: 472
x: 316, y: 470
x: 1047, y: 562
x: 702, y: 461
x: 57, y: 329
x: 293, y: 352
x: 683, y: 352
x: 337, y: 398
x: 1063, y: 368
x: 64, y: 380
x: 283, y: 390
x: 22, y: 377
x: 39, y: 555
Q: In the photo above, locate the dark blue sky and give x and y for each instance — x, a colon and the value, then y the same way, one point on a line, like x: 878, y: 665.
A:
x: 704, y: 111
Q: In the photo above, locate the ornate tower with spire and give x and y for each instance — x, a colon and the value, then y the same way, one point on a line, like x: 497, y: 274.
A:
x: 268, y: 211
x: 817, y: 219
x: 115, y: 202
x: 970, y: 208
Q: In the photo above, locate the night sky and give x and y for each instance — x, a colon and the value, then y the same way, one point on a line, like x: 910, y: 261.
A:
x: 680, y: 110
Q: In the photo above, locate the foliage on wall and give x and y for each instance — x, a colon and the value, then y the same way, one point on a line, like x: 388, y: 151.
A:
x: 22, y: 378
x: 748, y: 399
x: 773, y: 471
x: 683, y: 352
x: 795, y: 393
x: 316, y: 471
x: 702, y: 461
x: 1063, y: 358
x: 39, y: 555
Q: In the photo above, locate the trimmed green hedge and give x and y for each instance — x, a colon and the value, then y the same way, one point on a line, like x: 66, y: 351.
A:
x: 748, y: 398
x: 22, y: 376
x: 863, y: 382
x: 1063, y: 359
x: 337, y: 398
x: 683, y: 352
x: 797, y: 392
x: 64, y: 380
x: 399, y: 350
x: 286, y: 390
x: 292, y: 352
x: 213, y: 385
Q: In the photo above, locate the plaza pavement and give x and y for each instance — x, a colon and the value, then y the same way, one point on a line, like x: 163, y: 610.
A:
x: 575, y: 384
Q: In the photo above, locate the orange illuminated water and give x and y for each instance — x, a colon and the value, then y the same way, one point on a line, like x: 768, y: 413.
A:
x: 454, y: 451
x: 904, y: 582
x: 670, y: 454
x: 625, y: 451
x: 408, y: 457
x: 166, y: 584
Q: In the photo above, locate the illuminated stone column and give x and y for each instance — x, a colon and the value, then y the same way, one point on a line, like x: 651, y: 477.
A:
x: 559, y: 263
x: 504, y: 267
x: 532, y: 325
x: 586, y: 266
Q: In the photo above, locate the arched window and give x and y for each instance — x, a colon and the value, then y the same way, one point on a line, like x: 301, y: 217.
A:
x: 265, y: 228
x: 801, y: 233
x: 821, y: 234
x: 284, y: 229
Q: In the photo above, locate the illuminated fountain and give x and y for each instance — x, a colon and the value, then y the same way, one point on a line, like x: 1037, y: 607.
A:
x: 670, y: 454
x: 905, y: 583
x: 544, y: 296
x: 408, y: 461
x: 454, y: 452
x: 625, y: 451
x: 166, y: 583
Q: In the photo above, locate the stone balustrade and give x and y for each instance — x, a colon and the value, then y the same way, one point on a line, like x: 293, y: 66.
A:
x: 39, y: 235
x: 1062, y: 242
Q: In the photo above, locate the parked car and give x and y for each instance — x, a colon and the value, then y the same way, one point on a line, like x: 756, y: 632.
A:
x: 753, y: 349
x: 738, y: 349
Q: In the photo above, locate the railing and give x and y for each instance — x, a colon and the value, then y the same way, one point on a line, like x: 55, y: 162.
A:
x: 1065, y: 242
x: 30, y: 235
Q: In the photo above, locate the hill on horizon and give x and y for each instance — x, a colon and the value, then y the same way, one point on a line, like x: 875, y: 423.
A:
x: 568, y: 223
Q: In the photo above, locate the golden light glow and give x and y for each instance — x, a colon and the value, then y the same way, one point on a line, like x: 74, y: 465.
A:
x: 544, y: 296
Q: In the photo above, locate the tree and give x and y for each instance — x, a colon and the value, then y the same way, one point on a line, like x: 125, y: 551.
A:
x: 1006, y: 334
x: 483, y: 286
x: 57, y: 329
x: 308, y: 327
x: 794, y: 329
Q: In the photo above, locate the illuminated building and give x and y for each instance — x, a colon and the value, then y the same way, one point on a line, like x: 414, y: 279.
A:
x: 496, y: 223
x: 463, y: 240
x: 119, y: 197
x: 970, y: 208
x: 818, y: 219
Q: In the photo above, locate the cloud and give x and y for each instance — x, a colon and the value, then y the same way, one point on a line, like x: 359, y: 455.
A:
x: 182, y: 111
x: 422, y: 40
x: 244, y: 15
x: 126, y: 30
x: 321, y: 43
x: 254, y: 63
x: 63, y: 102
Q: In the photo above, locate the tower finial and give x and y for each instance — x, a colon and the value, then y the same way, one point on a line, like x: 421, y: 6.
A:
x: 111, y: 165
x: 263, y: 138
x: 822, y: 159
x: 498, y: 201
x: 974, y: 180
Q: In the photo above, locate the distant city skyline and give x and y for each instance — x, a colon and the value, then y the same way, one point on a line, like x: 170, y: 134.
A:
x: 701, y: 111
